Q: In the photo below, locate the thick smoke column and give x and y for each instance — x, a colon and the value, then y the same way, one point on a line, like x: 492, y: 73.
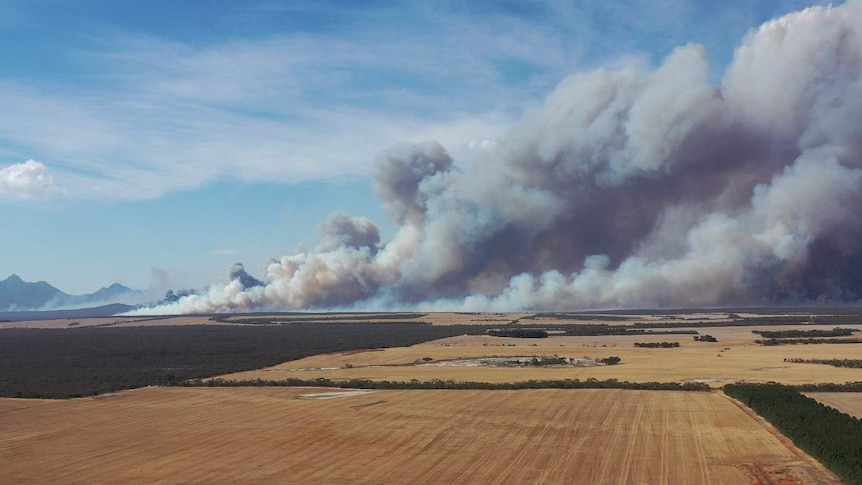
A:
x: 627, y: 189
x: 238, y: 273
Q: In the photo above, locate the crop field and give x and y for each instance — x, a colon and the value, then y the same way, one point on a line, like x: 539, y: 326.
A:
x: 734, y: 357
x: 846, y: 402
x: 659, y: 318
x: 441, y: 318
x: 307, y: 435
x: 183, y: 435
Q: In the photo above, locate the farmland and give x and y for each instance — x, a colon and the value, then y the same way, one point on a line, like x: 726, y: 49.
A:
x: 79, y: 358
x: 846, y: 402
x: 574, y: 434
x: 734, y: 357
x: 181, y: 435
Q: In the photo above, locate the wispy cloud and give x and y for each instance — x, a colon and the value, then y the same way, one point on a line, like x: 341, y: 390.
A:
x: 148, y: 115
x: 158, y: 116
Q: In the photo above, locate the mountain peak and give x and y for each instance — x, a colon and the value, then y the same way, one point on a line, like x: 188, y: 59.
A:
x: 17, y: 294
x: 13, y: 278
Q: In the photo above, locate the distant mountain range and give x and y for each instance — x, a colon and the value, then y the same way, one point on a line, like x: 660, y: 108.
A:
x: 94, y: 312
x: 19, y: 295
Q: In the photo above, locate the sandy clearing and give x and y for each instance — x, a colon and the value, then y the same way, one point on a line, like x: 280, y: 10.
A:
x: 335, y: 395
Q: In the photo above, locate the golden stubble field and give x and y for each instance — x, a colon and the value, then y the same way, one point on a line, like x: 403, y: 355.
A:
x: 73, y: 323
x: 846, y: 402
x: 434, y: 318
x: 438, y: 318
x: 733, y: 358
x: 270, y: 435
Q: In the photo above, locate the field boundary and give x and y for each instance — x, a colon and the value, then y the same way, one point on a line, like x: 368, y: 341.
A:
x: 438, y: 384
x: 828, y: 435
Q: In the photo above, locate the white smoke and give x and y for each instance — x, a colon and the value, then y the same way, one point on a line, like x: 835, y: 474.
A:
x: 629, y: 188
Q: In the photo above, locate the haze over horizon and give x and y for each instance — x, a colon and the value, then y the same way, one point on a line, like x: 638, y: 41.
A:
x: 483, y: 157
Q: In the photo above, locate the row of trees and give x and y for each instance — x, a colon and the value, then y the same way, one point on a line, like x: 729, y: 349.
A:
x: 555, y: 360
x: 596, y: 330
x: 548, y: 361
x: 657, y: 345
x: 807, y: 341
x: 705, y: 338
x: 832, y: 437
x: 518, y: 333
x: 450, y: 384
x: 830, y: 387
x: 835, y: 332
x: 584, y: 330
x: 852, y: 363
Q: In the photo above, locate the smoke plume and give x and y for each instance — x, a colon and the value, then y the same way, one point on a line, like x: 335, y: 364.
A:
x: 628, y: 188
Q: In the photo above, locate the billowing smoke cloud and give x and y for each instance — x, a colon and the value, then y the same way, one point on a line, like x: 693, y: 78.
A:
x: 340, y: 230
x: 238, y: 273
x: 629, y: 188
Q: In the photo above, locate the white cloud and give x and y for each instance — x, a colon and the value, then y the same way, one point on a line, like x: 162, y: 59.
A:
x: 28, y: 180
x: 161, y: 116
x: 169, y: 131
x: 156, y: 116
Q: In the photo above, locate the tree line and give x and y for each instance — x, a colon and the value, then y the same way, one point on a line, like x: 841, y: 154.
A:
x: 830, y: 387
x: 585, y: 330
x: 851, y: 363
x: 451, y: 384
x: 517, y: 333
x: 835, y: 332
x: 705, y: 338
x: 657, y: 345
x: 807, y: 341
x: 830, y: 436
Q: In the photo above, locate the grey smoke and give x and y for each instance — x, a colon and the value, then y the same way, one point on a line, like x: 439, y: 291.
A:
x: 341, y: 230
x: 628, y: 188
x: 401, y: 171
x: 238, y: 273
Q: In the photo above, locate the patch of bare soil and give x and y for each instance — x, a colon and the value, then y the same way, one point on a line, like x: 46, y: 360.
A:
x: 335, y: 394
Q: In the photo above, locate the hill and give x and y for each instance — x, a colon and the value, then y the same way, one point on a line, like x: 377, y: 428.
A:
x: 19, y: 295
x: 94, y: 312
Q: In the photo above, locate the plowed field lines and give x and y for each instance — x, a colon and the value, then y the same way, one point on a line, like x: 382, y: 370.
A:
x: 241, y: 435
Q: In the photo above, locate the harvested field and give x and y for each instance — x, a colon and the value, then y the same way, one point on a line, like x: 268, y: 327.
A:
x: 439, y: 318
x: 460, y: 318
x: 73, y: 323
x: 846, y: 402
x: 181, y: 435
x: 435, y: 318
x: 734, y: 357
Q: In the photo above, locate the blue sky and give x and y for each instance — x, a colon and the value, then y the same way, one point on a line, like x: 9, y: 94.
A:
x: 155, y: 143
